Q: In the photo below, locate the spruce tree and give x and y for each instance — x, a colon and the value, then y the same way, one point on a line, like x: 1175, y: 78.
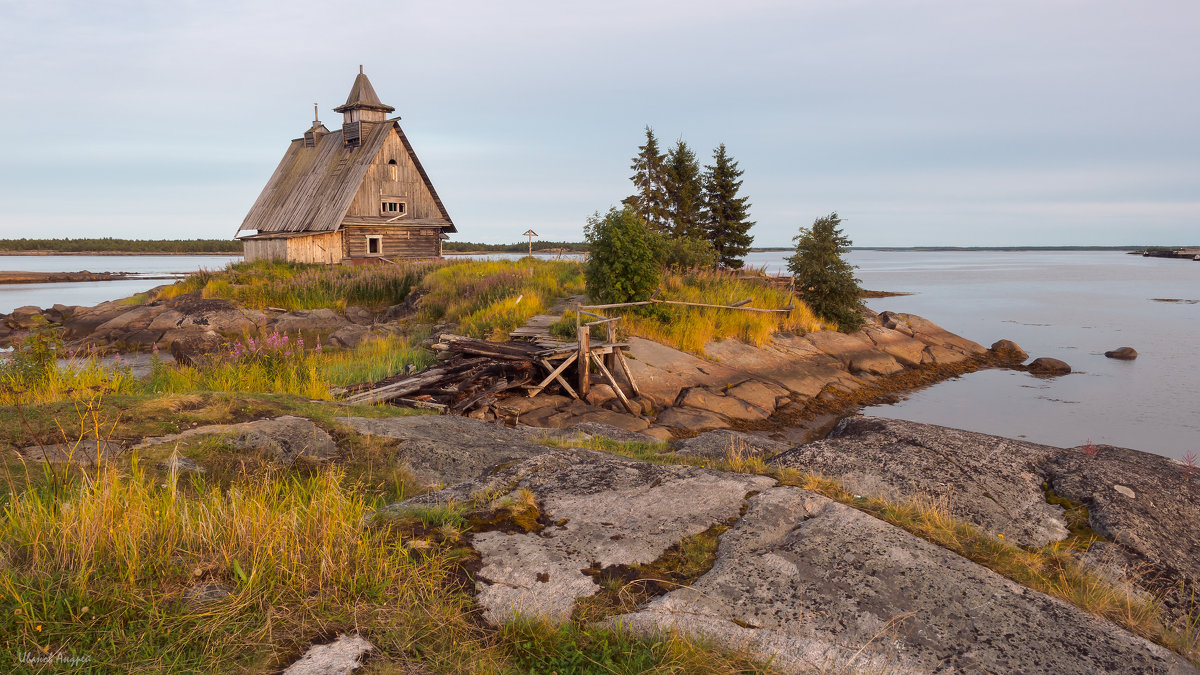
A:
x: 650, y: 200
x: 823, y: 278
x: 726, y: 224
x: 685, y: 202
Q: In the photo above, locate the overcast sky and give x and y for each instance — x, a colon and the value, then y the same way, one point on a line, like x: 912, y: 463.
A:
x: 1048, y: 122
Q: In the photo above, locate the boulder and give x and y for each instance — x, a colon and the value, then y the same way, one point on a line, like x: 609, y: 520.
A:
x: 1122, y: 353
x: 1049, y: 367
x: 727, y: 406
x: 284, y: 439
x: 874, y: 363
x: 311, y: 323
x: 187, y: 347
x: 349, y: 336
x: 519, y: 405
x: 691, y: 419
x: 1009, y: 351
x: 599, y: 394
x: 24, y: 318
x: 360, y: 315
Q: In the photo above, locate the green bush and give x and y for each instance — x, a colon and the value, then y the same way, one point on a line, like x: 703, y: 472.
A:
x: 684, y: 252
x: 823, y: 278
x: 623, y: 265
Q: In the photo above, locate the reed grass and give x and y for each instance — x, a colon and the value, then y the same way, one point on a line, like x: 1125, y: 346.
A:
x: 293, y: 286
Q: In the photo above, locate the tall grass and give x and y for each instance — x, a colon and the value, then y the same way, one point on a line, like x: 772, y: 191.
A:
x: 102, y: 573
x: 275, y: 364
x: 491, y: 298
x: 294, y: 286
x: 690, y: 328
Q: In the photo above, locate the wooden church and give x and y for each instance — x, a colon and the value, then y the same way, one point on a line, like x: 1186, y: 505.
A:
x: 355, y: 195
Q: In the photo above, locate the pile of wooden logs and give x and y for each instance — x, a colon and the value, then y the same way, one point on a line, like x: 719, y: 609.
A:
x: 471, y: 374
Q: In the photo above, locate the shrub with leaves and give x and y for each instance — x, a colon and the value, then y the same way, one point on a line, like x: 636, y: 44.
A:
x: 824, y: 280
x: 622, y: 266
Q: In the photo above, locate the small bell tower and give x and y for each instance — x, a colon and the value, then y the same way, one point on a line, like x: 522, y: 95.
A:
x: 362, y: 105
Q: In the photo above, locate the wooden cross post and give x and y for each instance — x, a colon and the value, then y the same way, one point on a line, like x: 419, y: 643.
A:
x: 531, y: 234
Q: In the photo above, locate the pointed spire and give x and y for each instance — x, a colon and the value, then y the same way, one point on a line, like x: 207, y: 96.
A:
x: 363, y: 97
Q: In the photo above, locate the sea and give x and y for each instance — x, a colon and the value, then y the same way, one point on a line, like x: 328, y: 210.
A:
x: 1070, y: 305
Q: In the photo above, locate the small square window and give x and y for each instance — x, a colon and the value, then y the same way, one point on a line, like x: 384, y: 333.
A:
x: 374, y: 245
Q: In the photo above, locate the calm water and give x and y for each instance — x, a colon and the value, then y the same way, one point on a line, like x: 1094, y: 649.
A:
x: 93, y: 292
x: 1069, y: 305
x: 1072, y: 306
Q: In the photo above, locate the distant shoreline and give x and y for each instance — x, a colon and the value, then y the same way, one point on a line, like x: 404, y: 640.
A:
x: 122, y: 253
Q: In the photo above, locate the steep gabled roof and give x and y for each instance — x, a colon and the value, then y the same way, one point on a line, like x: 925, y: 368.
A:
x: 312, y: 188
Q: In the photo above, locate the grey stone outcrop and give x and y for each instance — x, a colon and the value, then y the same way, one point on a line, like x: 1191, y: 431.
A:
x: 342, y: 656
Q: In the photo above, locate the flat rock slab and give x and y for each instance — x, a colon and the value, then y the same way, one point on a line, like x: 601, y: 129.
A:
x: 447, y: 449
x: 721, y: 443
x: 282, y: 439
x: 820, y: 586
x: 992, y: 482
x: 1147, y: 503
x: 84, y: 453
x: 609, y: 510
x: 340, y: 657
x: 691, y: 419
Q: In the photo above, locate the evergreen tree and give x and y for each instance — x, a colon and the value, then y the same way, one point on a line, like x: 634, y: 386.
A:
x: 650, y: 200
x: 726, y: 224
x: 684, y: 199
x: 823, y: 278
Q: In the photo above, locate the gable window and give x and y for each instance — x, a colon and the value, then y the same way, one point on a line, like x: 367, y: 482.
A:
x: 392, y: 168
x: 392, y: 207
x: 374, y: 245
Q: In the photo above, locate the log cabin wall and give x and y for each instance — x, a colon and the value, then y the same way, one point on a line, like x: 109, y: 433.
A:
x: 264, y: 249
x: 319, y: 248
x: 395, y: 241
x: 402, y: 180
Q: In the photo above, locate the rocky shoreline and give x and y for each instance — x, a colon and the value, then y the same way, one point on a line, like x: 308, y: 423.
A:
x: 807, y: 580
x: 60, y: 277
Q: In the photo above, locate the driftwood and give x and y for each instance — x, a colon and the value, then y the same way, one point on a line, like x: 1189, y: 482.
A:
x: 471, y: 373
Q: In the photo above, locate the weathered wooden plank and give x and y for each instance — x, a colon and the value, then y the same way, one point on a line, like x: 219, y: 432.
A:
x: 612, y: 381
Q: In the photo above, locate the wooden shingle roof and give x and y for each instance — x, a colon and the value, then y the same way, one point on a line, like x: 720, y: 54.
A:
x: 362, y: 95
x: 312, y: 188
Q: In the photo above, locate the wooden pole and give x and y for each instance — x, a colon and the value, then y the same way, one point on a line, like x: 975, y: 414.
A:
x: 585, y: 349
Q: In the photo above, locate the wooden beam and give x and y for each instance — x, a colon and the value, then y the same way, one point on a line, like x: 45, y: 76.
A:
x: 615, y: 305
x: 555, y: 374
x: 628, y: 374
x: 613, y: 381
x: 585, y: 349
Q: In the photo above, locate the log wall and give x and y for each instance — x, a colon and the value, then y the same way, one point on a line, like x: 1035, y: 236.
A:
x: 397, y: 241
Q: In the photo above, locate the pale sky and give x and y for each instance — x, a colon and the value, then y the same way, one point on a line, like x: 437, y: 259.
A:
x: 938, y: 122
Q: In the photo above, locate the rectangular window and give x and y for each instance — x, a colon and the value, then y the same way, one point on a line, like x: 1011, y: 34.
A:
x: 391, y: 208
x: 374, y: 245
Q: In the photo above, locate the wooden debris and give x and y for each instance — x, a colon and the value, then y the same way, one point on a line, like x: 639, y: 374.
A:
x: 470, y: 374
